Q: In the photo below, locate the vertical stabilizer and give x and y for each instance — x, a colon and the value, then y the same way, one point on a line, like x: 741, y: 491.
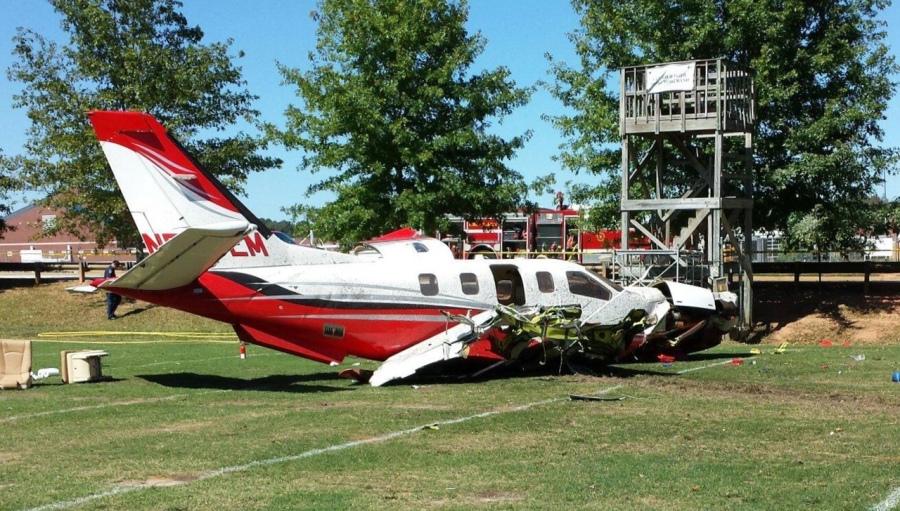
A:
x: 167, y: 191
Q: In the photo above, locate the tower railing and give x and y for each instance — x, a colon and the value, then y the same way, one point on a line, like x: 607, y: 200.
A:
x: 721, y: 98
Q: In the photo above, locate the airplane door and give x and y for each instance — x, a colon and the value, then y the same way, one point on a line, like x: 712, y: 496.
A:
x: 508, y: 284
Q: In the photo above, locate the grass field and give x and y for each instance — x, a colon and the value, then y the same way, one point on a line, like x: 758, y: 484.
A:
x: 187, y: 425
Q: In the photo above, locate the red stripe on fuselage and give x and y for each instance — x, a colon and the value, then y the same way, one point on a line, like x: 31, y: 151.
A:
x: 225, y: 300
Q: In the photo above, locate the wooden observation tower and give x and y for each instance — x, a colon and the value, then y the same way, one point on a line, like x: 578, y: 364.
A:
x: 687, y: 168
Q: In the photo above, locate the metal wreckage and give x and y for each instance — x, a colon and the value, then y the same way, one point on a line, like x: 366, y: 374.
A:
x: 636, y: 324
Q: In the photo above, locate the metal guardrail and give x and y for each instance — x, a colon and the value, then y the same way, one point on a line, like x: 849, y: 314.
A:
x: 866, y: 268
x: 784, y: 256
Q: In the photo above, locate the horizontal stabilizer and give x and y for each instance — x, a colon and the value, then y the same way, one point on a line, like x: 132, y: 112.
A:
x: 446, y: 345
x: 183, y: 258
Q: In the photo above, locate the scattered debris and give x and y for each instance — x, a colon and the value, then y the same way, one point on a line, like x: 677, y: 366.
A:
x: 858, y: 358
x: 576, y: 397
x: 846, y: 344
x: 755, y: 351
x: 45, y: 372
x: 895, y: 377
x: 781, y: 348
x: 737, y: 361
x: 665, y: 359
x: 356, y: 374
x: 433, y: 427
x: 826, y: 343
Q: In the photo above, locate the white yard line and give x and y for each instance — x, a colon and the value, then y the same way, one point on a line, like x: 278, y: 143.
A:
x: 106, y: 405
x: 119, y: 490
x: 692, y: 369
x: 890, y: 502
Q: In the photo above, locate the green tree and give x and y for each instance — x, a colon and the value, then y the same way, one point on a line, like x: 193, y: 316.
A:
x: 137, y: 55
x: 391, y: 108
x: 9, y: 182
x: 823, y: 77
x: 305, y: 220
x: 285, y: 226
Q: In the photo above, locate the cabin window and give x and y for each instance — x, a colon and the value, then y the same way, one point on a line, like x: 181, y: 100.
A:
x: 545, y: 282
x: 580, y: 283
x: 469, y: 282
x: 420, y: 248
x: 428, y: 284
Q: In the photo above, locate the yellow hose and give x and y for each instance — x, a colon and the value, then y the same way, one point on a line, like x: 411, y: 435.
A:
x: 206, y: 337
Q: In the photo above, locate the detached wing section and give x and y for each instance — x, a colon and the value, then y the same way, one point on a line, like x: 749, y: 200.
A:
x: 183, y: 258
x: 446, y: 345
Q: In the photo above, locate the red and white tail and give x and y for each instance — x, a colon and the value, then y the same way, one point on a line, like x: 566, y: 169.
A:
x: 165, y: 189
x: 167, y: 192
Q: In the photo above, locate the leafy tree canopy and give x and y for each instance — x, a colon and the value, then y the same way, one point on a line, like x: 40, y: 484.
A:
x: 285, y: 226
x: 823, y: 78
x: 391, y: 108
x: 9, y: 182
x: 135, y: 55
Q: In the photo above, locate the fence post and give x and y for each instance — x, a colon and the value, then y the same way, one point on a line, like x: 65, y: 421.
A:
x: 37, y: 274
x: 81, y: 270
x: 868, y: 271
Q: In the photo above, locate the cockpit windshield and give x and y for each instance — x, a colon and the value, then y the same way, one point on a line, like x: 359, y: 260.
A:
x: 285, y: 238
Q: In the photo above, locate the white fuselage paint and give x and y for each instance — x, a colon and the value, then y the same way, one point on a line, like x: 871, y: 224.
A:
x: 397, y: 283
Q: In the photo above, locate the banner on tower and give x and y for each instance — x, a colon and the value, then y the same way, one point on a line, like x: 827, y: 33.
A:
x: 672, y: 77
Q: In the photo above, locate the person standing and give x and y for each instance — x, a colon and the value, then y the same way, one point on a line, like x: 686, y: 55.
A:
x: 112, y: 299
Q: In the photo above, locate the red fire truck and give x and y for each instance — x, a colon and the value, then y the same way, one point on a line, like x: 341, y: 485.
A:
x: 543, y: 233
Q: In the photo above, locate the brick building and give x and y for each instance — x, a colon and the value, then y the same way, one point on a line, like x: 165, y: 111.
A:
x: 26, y: 241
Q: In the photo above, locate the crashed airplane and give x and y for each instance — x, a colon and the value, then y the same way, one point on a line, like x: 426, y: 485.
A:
x: 401, y: 299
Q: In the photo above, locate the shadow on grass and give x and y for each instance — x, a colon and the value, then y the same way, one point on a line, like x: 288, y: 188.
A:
x: 296, y: 383
x: 715, y: 356
x: 461, y: 371
x: 138, y: 310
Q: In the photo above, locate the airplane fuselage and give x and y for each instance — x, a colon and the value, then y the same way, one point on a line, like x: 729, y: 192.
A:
x: 375, y: 309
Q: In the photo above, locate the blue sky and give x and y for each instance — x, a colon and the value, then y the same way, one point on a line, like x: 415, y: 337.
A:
x: 518, y: 32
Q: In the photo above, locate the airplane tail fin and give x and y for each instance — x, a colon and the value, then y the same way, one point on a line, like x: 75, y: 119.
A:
x: 168, y: 192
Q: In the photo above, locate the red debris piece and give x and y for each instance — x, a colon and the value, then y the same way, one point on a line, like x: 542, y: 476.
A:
x: 826, y: 343
x: 737, y: 361
x: 360, y: 375
x: 665, y: 359
x: 846, y: 344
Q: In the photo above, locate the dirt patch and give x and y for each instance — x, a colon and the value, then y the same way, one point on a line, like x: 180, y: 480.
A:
x: 806, y: 313
x: 488, y: 497
x: 161, y: 481
x: 420, y: 406
x: 6, y: 457
x: 182, y: 427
